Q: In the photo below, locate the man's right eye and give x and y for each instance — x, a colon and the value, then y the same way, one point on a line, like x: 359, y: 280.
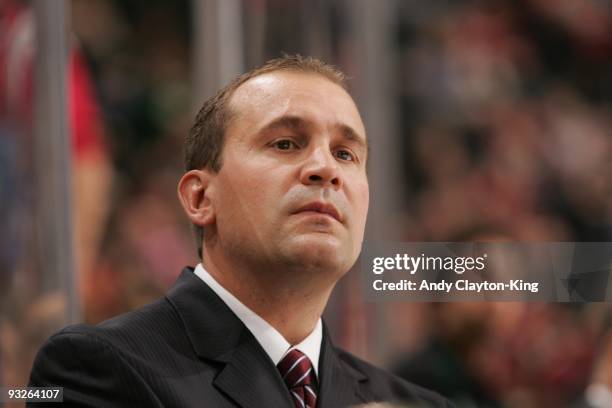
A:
x: 285, y: 144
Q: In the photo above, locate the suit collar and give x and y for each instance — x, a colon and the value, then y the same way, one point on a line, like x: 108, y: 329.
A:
x: 214, y: 331
x: 246, y: 374
x: 340, y: 384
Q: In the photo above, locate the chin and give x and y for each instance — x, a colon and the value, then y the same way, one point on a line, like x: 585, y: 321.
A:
x: 319, y: 252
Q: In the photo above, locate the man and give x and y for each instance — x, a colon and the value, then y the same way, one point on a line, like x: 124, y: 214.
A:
x: 277, y: 190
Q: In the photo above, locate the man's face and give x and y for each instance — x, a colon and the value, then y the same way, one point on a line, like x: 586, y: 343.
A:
x: 292, y: 190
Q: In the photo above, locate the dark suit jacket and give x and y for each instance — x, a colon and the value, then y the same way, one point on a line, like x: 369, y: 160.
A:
x: 188, y: 349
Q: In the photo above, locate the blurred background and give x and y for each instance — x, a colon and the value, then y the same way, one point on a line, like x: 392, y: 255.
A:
x: 488, y: 120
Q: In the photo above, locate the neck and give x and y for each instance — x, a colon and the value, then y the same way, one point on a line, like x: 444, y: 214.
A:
x: 290, y: 305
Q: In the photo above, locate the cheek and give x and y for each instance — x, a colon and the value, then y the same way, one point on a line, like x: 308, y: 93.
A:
x: 247, y: 195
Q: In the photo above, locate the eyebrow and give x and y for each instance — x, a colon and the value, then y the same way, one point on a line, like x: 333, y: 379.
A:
x: 298, y: 123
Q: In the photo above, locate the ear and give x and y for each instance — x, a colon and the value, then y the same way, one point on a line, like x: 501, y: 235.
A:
x: 194, y: 192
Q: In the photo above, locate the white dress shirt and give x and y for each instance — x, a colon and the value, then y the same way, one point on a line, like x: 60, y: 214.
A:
x: 273, y: 343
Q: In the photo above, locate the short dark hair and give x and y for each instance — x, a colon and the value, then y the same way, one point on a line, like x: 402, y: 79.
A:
x: 204, y: 143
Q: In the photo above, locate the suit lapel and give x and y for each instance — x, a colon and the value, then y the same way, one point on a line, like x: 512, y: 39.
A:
x: 246, y: 374
x: 251, y: 379
x: 339, y: 383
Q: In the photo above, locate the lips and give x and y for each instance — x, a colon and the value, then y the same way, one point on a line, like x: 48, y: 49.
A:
x: 321, y: 207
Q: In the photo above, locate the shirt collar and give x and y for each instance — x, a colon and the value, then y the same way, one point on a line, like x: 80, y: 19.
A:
x: 273, y: 343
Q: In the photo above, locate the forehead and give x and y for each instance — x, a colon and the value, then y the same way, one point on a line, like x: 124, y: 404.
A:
x: 311, y: 96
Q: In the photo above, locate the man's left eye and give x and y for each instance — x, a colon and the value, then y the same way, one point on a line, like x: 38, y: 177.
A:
x: 345, y: 155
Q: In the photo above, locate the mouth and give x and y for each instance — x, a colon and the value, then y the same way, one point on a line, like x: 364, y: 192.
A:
x: 321, y: 208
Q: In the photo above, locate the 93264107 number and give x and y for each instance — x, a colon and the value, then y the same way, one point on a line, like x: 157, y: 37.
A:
x: 32, y: 394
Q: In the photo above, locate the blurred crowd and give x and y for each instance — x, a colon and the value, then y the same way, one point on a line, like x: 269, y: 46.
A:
x: 505, y: 117
x: 507, y: 108
x: 506, y: 122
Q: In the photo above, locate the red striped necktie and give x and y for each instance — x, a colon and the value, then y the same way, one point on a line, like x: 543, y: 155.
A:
x: 298, y: 373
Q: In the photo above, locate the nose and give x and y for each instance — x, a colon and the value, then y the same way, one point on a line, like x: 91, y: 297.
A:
x: 321, y: 168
